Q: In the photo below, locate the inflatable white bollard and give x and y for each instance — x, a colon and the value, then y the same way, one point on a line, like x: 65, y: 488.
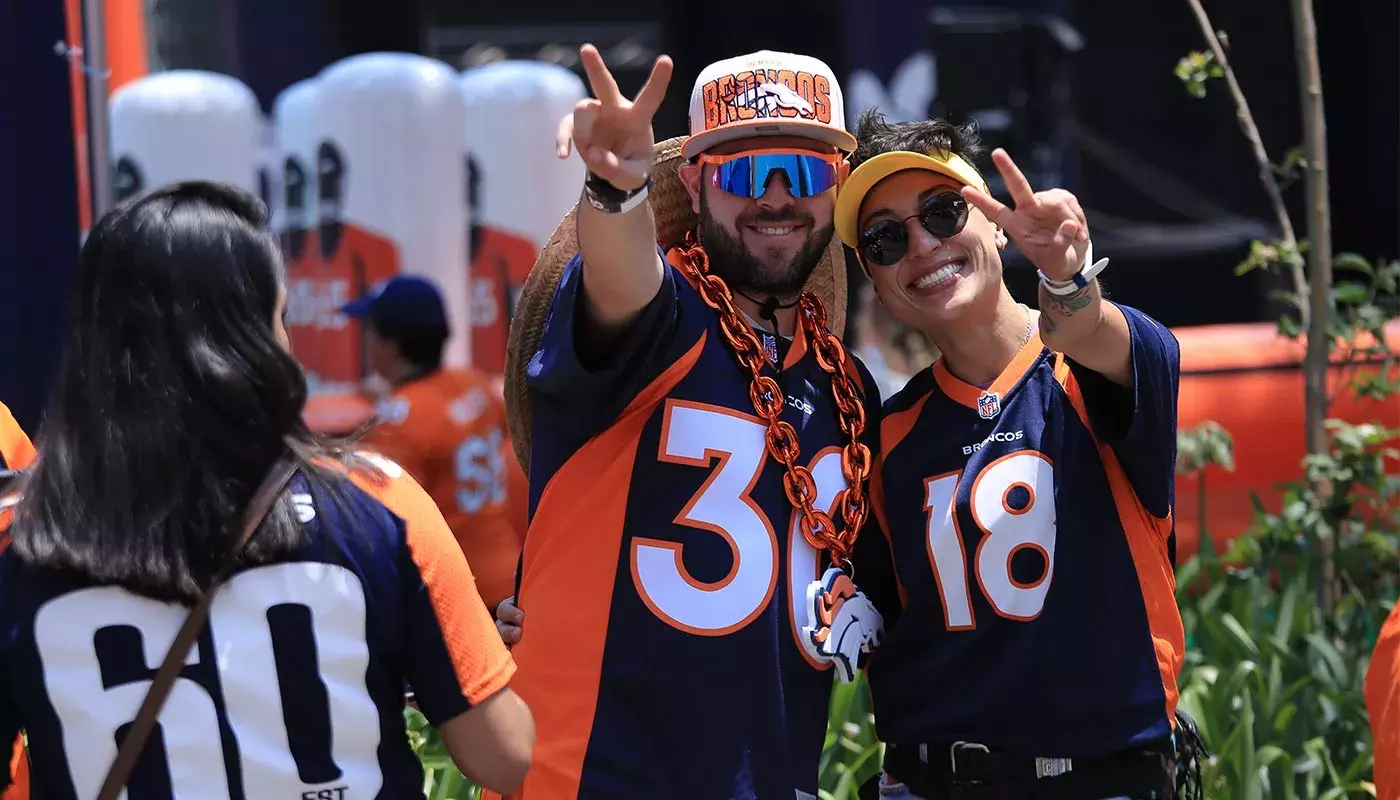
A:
x: 185, y: 125
x: 519, y: 189
x: 390, y: 181
x: 325, y: 342
x: 297, y: 134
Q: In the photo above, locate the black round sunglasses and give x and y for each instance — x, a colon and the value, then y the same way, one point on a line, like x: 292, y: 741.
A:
x: 885, y: 242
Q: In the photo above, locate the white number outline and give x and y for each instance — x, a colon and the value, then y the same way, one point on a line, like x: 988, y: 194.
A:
x: 947, y: 553
x: 658, y: 571
x: 89, y: 714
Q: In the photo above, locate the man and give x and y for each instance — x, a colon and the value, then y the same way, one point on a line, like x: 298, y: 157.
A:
x: 664, y: 556
x: 16, y: 453
x: 445, y: 427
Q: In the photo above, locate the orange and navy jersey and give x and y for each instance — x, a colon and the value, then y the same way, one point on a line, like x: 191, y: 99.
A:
x: 448, y: 430
x: 296, y: 685
x: 16, y: 452
x: 1030, y: 523
x: 1382, y: 690
x: 663, y: 561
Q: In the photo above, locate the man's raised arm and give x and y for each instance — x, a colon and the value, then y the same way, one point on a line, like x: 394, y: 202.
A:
x: 622, y: 269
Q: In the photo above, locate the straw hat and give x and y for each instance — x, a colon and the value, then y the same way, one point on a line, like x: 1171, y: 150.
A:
x: 670, y: 206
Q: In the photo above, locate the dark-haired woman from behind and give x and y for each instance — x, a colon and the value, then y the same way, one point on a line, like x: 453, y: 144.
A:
x: 177, y: 398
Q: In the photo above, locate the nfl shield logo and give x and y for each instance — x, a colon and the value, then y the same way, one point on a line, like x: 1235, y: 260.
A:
x: 988, y: 405
x: 770, y: 348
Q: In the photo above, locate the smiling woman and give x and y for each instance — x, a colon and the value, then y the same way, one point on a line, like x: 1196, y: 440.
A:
x: 980, y: 457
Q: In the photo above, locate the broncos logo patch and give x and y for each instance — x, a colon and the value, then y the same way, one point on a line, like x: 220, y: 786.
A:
x: 841, y: 624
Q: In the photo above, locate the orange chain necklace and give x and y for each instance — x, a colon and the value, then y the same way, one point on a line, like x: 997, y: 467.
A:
x: 816, y: 525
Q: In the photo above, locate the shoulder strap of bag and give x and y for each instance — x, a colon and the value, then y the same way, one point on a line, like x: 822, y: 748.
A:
x: 145, y: 721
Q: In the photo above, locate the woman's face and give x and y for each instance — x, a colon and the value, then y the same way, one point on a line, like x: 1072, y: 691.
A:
x: 937, y: 280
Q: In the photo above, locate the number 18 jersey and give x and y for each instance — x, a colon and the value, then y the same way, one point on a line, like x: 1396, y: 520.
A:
x: 1030, y: 523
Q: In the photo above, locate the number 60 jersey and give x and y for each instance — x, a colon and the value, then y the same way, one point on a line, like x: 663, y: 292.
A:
x: 1031, y: 526
x: 295, y: 688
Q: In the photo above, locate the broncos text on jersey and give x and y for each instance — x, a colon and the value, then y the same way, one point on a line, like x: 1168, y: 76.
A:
x: 1030, y: 523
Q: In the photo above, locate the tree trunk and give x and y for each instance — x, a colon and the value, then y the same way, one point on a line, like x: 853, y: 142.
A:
x: 1320, y: 272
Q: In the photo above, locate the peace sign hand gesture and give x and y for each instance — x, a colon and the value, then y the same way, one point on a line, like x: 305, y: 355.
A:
x: 1048, y: 227
x: 612, y: 134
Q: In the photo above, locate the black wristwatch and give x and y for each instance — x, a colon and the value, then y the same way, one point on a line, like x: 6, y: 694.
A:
x: 611, y: 200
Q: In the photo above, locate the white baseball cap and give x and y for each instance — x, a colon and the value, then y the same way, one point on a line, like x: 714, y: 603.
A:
x: 766, y: 94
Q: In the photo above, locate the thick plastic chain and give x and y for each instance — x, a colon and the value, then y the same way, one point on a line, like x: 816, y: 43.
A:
x: 816, y: 525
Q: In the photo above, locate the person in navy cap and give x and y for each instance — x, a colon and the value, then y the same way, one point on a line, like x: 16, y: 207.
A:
x: 446, y: 427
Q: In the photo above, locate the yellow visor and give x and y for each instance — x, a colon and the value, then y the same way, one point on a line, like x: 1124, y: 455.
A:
x: 859, y: 183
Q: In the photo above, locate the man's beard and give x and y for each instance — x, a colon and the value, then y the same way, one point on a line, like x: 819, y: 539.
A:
x: 746, y: 272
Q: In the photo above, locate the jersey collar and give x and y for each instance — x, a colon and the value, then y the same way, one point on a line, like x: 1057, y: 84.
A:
x: 969, y: 395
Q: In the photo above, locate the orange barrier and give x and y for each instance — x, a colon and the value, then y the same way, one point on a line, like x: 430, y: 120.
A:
x: 1249, y: 379
x: 1245, y: 377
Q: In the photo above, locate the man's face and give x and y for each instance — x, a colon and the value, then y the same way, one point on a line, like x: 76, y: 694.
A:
x: 381, y: 354
x: 769, y: 245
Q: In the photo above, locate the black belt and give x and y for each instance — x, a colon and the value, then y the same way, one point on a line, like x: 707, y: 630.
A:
x: 970, y: 771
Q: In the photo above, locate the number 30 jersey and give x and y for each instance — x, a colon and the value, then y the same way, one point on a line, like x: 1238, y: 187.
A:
x: 1031, y: 525
x: 295, y: 688
x: 663, y: 564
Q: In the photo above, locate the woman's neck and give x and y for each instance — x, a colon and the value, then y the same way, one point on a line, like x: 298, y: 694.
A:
x: 983, y: 346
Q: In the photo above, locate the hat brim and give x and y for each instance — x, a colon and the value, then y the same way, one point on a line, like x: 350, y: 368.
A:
x: 675, y: 217
x: 869, y: 174
x: 700, y: 142
x: 358, y: 308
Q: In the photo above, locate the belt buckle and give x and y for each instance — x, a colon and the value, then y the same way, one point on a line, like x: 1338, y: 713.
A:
x: 960, y: 747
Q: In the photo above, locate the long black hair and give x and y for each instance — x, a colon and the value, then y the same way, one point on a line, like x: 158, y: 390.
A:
x: 173, y: 402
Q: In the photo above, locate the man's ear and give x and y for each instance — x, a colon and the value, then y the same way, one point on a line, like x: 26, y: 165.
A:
x: 1000, y: 237
x: 690, y: 177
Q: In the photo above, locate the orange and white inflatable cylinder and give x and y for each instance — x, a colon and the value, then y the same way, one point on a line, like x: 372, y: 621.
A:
x: 518, y: 188
x: 185, y: 125
x: 391, y: 182
x: 325, y: 342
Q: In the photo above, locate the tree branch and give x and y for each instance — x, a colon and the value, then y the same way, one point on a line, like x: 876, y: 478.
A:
x: 1261, y: 157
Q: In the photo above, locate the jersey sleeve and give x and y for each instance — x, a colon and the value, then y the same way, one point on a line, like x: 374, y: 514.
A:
x: 586, y: 396
x: 453, y: 658
x: 1139, y: 422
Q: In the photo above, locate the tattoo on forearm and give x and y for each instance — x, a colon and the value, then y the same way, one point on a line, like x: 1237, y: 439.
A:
x: 1068, y: 305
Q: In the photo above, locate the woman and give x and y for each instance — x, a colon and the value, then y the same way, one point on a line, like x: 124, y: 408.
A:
x: 1027, y: 491
x: 176, y: 397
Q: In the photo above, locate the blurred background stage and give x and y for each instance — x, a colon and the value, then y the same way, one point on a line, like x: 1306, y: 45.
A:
x: 1082, y: 90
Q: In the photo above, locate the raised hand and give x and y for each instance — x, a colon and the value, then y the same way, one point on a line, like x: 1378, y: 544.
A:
x: 1048, y: 227
x: 612, y: 134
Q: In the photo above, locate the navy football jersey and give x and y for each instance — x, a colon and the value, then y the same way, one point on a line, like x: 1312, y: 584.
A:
x: 295, y: 688
x: 1030, y: 523
x: 663, y: 572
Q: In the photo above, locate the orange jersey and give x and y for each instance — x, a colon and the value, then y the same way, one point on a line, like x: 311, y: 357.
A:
x: 325, y: 341
x: 1382, y: 691
x: 449, y: 431
x: 502, y: 262
x: 16, y: 452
